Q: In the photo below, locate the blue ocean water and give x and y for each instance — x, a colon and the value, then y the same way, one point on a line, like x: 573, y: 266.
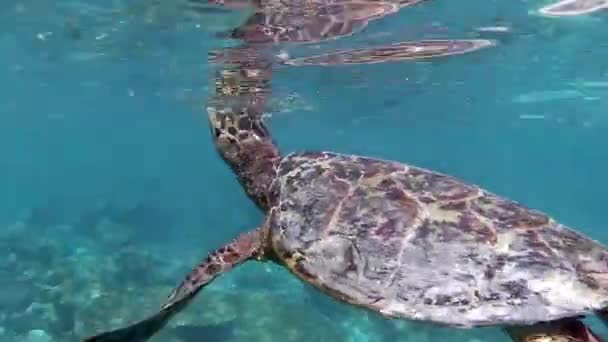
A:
x: 102, y: 116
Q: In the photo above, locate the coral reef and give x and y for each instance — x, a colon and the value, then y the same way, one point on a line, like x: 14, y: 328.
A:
x: 64, y: 281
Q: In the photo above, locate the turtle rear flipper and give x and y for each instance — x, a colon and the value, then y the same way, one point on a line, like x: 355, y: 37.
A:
x: 603, y: 316
x: 567, y: 330
x: 245, y: 247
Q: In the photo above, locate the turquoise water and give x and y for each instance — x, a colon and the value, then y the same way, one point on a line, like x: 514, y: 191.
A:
x: 102, y: 117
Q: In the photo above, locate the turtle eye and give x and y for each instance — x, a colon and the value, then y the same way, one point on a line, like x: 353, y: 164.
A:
x: 267, y: 31
x: 228, y: 147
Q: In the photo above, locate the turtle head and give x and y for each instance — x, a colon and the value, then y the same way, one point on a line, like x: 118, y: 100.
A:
x: 245, y: 144
x: 237, y: 137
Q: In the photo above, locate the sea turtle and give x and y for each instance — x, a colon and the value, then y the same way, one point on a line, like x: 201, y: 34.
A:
x: 400, y: 240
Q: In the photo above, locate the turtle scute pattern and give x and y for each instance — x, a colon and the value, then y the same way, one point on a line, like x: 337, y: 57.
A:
x: 413, y: 243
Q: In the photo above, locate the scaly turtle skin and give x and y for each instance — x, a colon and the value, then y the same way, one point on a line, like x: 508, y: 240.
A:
x: 402, y: 241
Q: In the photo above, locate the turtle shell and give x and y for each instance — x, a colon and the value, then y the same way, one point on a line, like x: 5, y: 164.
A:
x: 416, y: 244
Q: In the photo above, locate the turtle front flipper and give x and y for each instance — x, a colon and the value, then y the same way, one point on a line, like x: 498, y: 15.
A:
x: 567, y: 330
x: 245, y: 247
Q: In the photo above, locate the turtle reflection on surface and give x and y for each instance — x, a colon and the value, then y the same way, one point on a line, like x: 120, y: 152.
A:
x: 574, y: 7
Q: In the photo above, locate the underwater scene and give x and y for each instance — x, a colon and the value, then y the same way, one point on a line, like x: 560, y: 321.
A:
x: 138, y: 136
